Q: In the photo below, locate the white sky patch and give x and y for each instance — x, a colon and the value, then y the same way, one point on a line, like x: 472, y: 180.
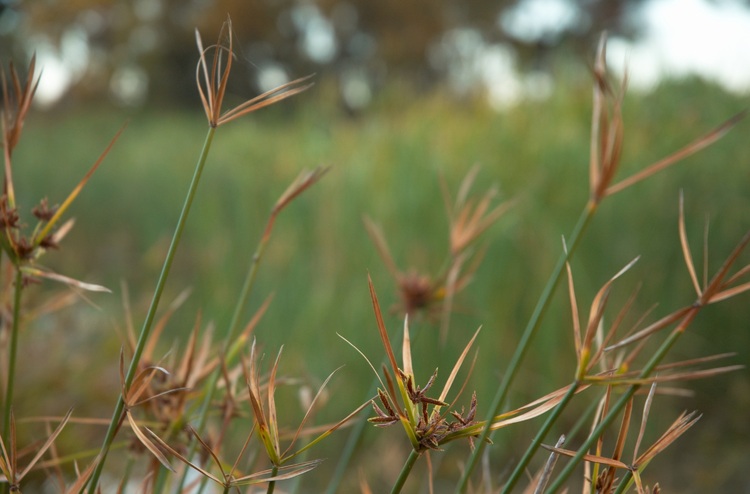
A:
x: 689, y: 37
x: 60, y: 67
x: 532, y: 20
x: 318, y: 39
x: 55, y: 77
x: 500, y: 78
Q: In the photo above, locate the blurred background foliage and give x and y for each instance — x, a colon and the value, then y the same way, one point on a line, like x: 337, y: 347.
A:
x: 388, y: 157
x: 143, y: 50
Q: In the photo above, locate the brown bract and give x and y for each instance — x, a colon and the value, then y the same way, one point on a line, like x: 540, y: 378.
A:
x: 607, y: 131
x: 212, y: 83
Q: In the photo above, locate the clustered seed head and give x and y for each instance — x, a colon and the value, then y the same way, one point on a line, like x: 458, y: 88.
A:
x: 8, y: 215
x: 432, y: 427
x: 43, y: 211
x: 417, y: 292
x: 10, y: 222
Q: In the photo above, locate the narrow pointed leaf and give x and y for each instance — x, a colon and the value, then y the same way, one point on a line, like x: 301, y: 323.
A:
x: 307, y: 414
x: 43, y: 449
x: 602, y: 460
x: 180, y: 457
x: 286, y: 472
x: 76, y: 190
x: 273, y: 424
x: 32, y: 271
x: 406, y: 350
x: 692, y: 148
x: 457, y: 366
x: 686, y: 248
x: 381, y: 327
x: 148, y: 443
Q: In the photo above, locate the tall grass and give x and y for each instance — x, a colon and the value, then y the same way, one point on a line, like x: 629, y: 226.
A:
x: 394, y: 165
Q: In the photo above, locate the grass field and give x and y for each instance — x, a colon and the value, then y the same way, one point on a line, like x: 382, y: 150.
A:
x: 387, y: 164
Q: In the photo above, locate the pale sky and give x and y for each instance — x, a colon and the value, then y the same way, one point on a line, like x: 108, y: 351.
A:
x: 710, y: 39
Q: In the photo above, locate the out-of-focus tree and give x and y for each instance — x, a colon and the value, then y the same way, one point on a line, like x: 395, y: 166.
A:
x: 145, y: 49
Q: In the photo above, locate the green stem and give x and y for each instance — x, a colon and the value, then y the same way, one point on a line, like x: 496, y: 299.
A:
x: 18, y: 288
x: 551, y: 419
x: 146, y: 329
x: 405, y: 471
x: 272, y: 484
x: 523, y: 345
x: 2, y: 397
x: 624, y: 483
x: 12, y: 362
x: 620, y: 404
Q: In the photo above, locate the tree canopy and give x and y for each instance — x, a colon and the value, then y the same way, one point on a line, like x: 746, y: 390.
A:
x: 147, y: 47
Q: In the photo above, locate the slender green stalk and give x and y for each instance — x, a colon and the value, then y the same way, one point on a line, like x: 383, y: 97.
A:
x: 146, y: 329
x: 620, y: 404
x: 405, y: 471
x: 551, y: 419
x: 523, y: 345
x: 625, y: 482
x: 584, y: 419
x: 1, y: 394
x: 13, y: 356
x: 272, y: 484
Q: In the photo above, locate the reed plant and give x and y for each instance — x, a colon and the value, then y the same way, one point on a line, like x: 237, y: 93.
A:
x: 205, y: 417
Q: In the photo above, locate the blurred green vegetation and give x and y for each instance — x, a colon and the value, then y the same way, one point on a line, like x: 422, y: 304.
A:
x: 387, y: 163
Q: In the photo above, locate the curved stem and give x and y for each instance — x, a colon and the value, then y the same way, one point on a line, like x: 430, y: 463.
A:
x: 523, y: 345
x: 13, y: 355
x: 405, y: 471
x: 146, y: 329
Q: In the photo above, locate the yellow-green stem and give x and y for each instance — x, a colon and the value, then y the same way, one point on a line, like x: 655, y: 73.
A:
x: 13, y: 354
x: 405, y: 471
x: 523, y: 345
x: 146, y: 329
